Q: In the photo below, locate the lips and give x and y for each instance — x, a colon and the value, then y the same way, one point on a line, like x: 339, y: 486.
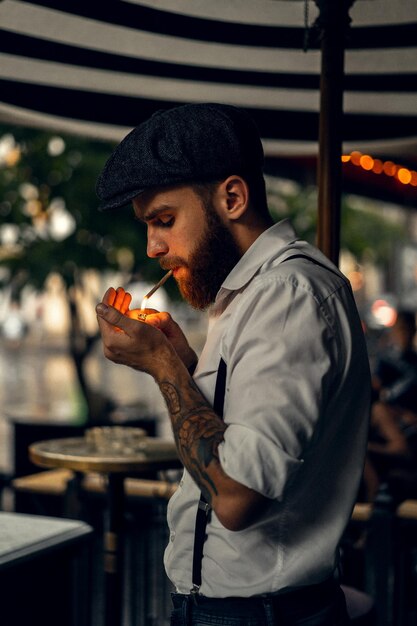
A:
x: 179, y: 272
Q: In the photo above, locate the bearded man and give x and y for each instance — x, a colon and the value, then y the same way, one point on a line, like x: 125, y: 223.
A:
x: 271, y: 420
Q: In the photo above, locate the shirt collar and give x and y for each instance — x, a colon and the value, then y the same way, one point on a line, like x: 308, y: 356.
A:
x: 270, y: 244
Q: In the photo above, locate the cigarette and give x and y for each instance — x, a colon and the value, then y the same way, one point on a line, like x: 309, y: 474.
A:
x: 154, y: 288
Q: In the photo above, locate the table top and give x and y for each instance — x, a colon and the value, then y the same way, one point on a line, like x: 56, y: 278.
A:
x: 23, y: 537
x: 80, y: 454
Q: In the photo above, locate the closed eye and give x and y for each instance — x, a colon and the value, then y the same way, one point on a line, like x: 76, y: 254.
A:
x: 163, y: 222
x: 159, y: 217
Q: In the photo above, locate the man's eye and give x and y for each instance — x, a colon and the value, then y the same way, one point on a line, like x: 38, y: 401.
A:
x: 165, y: 222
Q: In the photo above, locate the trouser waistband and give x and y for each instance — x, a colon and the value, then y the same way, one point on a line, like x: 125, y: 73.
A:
x: 308, y: 599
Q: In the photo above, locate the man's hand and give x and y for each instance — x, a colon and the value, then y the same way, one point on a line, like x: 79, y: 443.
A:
x: 121, y: 300
x: 128, y: 341
x: 164, y: 322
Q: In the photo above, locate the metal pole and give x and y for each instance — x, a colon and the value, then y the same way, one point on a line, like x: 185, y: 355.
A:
x: 114, y: 551
x: 332, y: 25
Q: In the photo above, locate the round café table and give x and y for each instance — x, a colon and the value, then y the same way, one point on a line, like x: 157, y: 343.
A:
x: 149, y: 454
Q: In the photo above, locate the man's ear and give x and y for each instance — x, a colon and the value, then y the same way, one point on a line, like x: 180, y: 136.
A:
x: 234, y: 197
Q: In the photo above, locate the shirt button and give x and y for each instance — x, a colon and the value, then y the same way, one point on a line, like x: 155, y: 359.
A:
x: 172, y: 536
x: 181, y: 483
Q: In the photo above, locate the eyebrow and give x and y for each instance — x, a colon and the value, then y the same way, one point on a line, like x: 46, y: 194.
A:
x: 155, y: 212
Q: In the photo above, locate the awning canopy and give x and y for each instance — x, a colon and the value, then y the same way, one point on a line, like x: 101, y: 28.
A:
x: 98, y: 69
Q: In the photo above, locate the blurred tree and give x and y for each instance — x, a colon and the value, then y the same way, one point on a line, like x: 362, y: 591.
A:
x: 49, y: 223
x: 365, y: 232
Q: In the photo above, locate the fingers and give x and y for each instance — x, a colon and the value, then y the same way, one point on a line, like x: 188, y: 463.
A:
x: 164, y: 322
x: 161, y: 320
x: 110, y: 296
x: 165, y: 318
x: 152, y: 317
x: 118, y: 298
x: 113, y: 316
x: 123, y: 300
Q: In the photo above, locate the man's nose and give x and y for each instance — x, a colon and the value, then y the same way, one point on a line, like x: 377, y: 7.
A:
x: 156, y: 247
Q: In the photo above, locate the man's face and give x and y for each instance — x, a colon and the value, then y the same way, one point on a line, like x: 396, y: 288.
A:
x: 187, y: 236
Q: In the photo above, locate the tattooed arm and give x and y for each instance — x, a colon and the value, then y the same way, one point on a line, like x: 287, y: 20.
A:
x: 197, y: 429
x: 198, y: 432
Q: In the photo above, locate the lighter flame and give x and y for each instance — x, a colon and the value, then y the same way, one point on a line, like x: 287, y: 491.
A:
x: 155, y: 288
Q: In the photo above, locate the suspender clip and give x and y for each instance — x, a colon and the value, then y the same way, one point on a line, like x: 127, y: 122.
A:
x: 195, y: 590
x: 204, y: 506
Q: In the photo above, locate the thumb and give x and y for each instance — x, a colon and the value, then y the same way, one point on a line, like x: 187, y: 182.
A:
x: 112, y: 316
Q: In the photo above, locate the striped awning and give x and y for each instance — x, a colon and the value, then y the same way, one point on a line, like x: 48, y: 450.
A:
x: 100, y: 68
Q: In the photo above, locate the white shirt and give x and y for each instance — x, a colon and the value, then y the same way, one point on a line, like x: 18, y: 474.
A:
x: 296, y: 407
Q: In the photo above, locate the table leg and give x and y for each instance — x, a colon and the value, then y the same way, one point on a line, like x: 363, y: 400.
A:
x: 113, y: 551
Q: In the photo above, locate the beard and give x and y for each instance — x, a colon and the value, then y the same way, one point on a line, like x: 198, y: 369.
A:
x: 211, y: 261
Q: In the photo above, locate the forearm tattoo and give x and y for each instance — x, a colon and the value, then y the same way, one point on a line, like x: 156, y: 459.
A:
x: 198, y: 432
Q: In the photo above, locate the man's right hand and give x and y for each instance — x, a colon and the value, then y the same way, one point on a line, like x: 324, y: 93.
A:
x: 165, y: 323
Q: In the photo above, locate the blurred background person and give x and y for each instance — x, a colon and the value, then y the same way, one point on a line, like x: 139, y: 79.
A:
x: 392, y: 447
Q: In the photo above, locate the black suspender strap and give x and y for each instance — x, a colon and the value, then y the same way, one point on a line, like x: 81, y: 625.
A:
x: 219, y: 391
x: 203, y: 510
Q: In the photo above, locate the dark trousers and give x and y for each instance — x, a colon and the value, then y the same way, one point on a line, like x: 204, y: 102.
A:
x: 316, y: 605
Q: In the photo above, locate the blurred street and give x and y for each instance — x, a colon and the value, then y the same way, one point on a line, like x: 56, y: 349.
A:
x: 38, y: 380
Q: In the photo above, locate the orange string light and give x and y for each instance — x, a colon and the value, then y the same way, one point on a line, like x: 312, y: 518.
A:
x: 376, y: 166
x: 390, y: 168
x: 404, y: 176
x: 366, y: 162
x: 355, y: 157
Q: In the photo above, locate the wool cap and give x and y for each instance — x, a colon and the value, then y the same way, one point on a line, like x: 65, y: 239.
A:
x: 189, y: 143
